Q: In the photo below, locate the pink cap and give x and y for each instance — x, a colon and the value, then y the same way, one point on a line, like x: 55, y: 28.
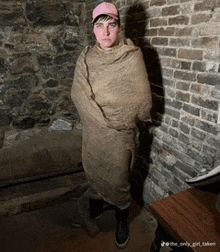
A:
x: 106, y: 9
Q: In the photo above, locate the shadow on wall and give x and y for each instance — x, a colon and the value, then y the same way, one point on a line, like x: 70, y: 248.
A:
x: 135, y: 28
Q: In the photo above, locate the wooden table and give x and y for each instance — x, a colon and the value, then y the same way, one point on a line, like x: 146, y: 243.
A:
x: 187, y: 221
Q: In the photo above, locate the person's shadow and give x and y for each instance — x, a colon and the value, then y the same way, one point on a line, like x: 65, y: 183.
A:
x: 135, y: 28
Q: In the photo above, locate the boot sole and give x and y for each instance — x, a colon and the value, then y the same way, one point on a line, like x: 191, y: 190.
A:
x: 123, y: 245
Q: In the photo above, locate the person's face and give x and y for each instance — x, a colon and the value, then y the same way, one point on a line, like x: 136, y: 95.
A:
x: 106, y: 33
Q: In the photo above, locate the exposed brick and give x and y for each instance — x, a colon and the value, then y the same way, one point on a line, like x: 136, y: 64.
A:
x: 209, y: 116
x: 185, y: 97
x: 173, y: 132
x: 184, y: 32
x: 190, y: 54
x: 172, y: 113
x: 171, y: 10
x: 210, y: 104
x: 184, y: 128
x: 209, y: 151
x: 170, y: 31
x: 179, y: 20
x: 157, y: 2
x: 182, y: 86
x: 175, y: 123
x: 170, y: 62
x: 167, y: 82
x: 176, y: 180
x: 170, y: 92
x: 206, y: 42
x: 174, y: 103
x: 206, y: 127
x: 200, y: 18
x: 188, y: 119
x: 183, y: 138
x: 167, y: 174
x: 185, y: 65
x: 211, y: 79
x: 205, y: 5
x: 179, y: 42
x: 199, y: 66
x: 184, y: 75
x: 190, y: 109
x: 215, y: 142
x: 158, y: 22
x: 167, y: 72
x: 167, y: 52
x: 198, y: 134
x: 197, y: 156
x: 196, y: 144
x: 199, y: 89
x: 186, y: 168
x: 159, y: 41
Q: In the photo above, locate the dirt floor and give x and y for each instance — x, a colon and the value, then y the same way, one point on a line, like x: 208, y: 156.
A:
x: 51, y: 230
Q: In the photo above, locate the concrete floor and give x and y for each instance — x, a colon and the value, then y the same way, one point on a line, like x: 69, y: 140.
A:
x: 50, y: 230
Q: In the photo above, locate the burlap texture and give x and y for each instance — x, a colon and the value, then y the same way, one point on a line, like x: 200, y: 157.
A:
x: 112, y: 93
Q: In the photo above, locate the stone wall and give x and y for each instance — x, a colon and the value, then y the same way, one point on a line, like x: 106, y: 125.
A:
x: 180, y: 40
x: 40, y: 42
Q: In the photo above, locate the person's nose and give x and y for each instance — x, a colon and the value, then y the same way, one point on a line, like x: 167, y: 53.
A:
x: 106, y: 31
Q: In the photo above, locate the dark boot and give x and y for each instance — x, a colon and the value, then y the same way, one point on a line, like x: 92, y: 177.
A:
x: 95, y: 208
x: 122, y: 230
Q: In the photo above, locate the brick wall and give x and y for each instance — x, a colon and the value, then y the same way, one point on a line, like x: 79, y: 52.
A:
x: 180, y: 41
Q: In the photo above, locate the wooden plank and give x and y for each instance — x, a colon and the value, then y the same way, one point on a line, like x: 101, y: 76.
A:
x: 191, y: 216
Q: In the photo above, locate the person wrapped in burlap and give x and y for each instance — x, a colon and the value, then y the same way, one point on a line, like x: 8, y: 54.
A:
x: 112, y: 94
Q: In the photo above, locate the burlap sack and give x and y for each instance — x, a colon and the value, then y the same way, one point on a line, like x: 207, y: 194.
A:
x: 112, y: 93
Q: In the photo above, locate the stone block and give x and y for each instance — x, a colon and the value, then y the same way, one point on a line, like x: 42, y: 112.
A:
x: 167, y: 52
x: 199, y: 66
x: 50, y: 83
x: 179, y: 20
x: 205, y: 5
x: 198, y: 134
x: 190, y: 120
x: 184, y: 32
x: 183, y: 138
x: 157, y: 2
x: 62, y: 59
x: 171, y: 10
x: 5, y: 116
x: 159, y: 41
x: 45, y: 60
x: 209, y: 151
x: 190, y: 54
x: 173, y: 133
x: 179, y: 42
x: 184, y: 128
x: 185, y: 97
x: 155, y: 22
x: 200, y: 18
x: 205, y: 42
x: 207, y: 127
x: 170, y: 31
x: 24, y: 65
x: 192, y: 110
x: 182, y: 75
x: 211, y: 79
x: 172, y: 113
x: 186, y: 65
x: 203, y: 102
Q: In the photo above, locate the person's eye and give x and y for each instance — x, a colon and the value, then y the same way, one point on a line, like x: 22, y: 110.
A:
x: 98, y: 25
x: 112, y: 25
